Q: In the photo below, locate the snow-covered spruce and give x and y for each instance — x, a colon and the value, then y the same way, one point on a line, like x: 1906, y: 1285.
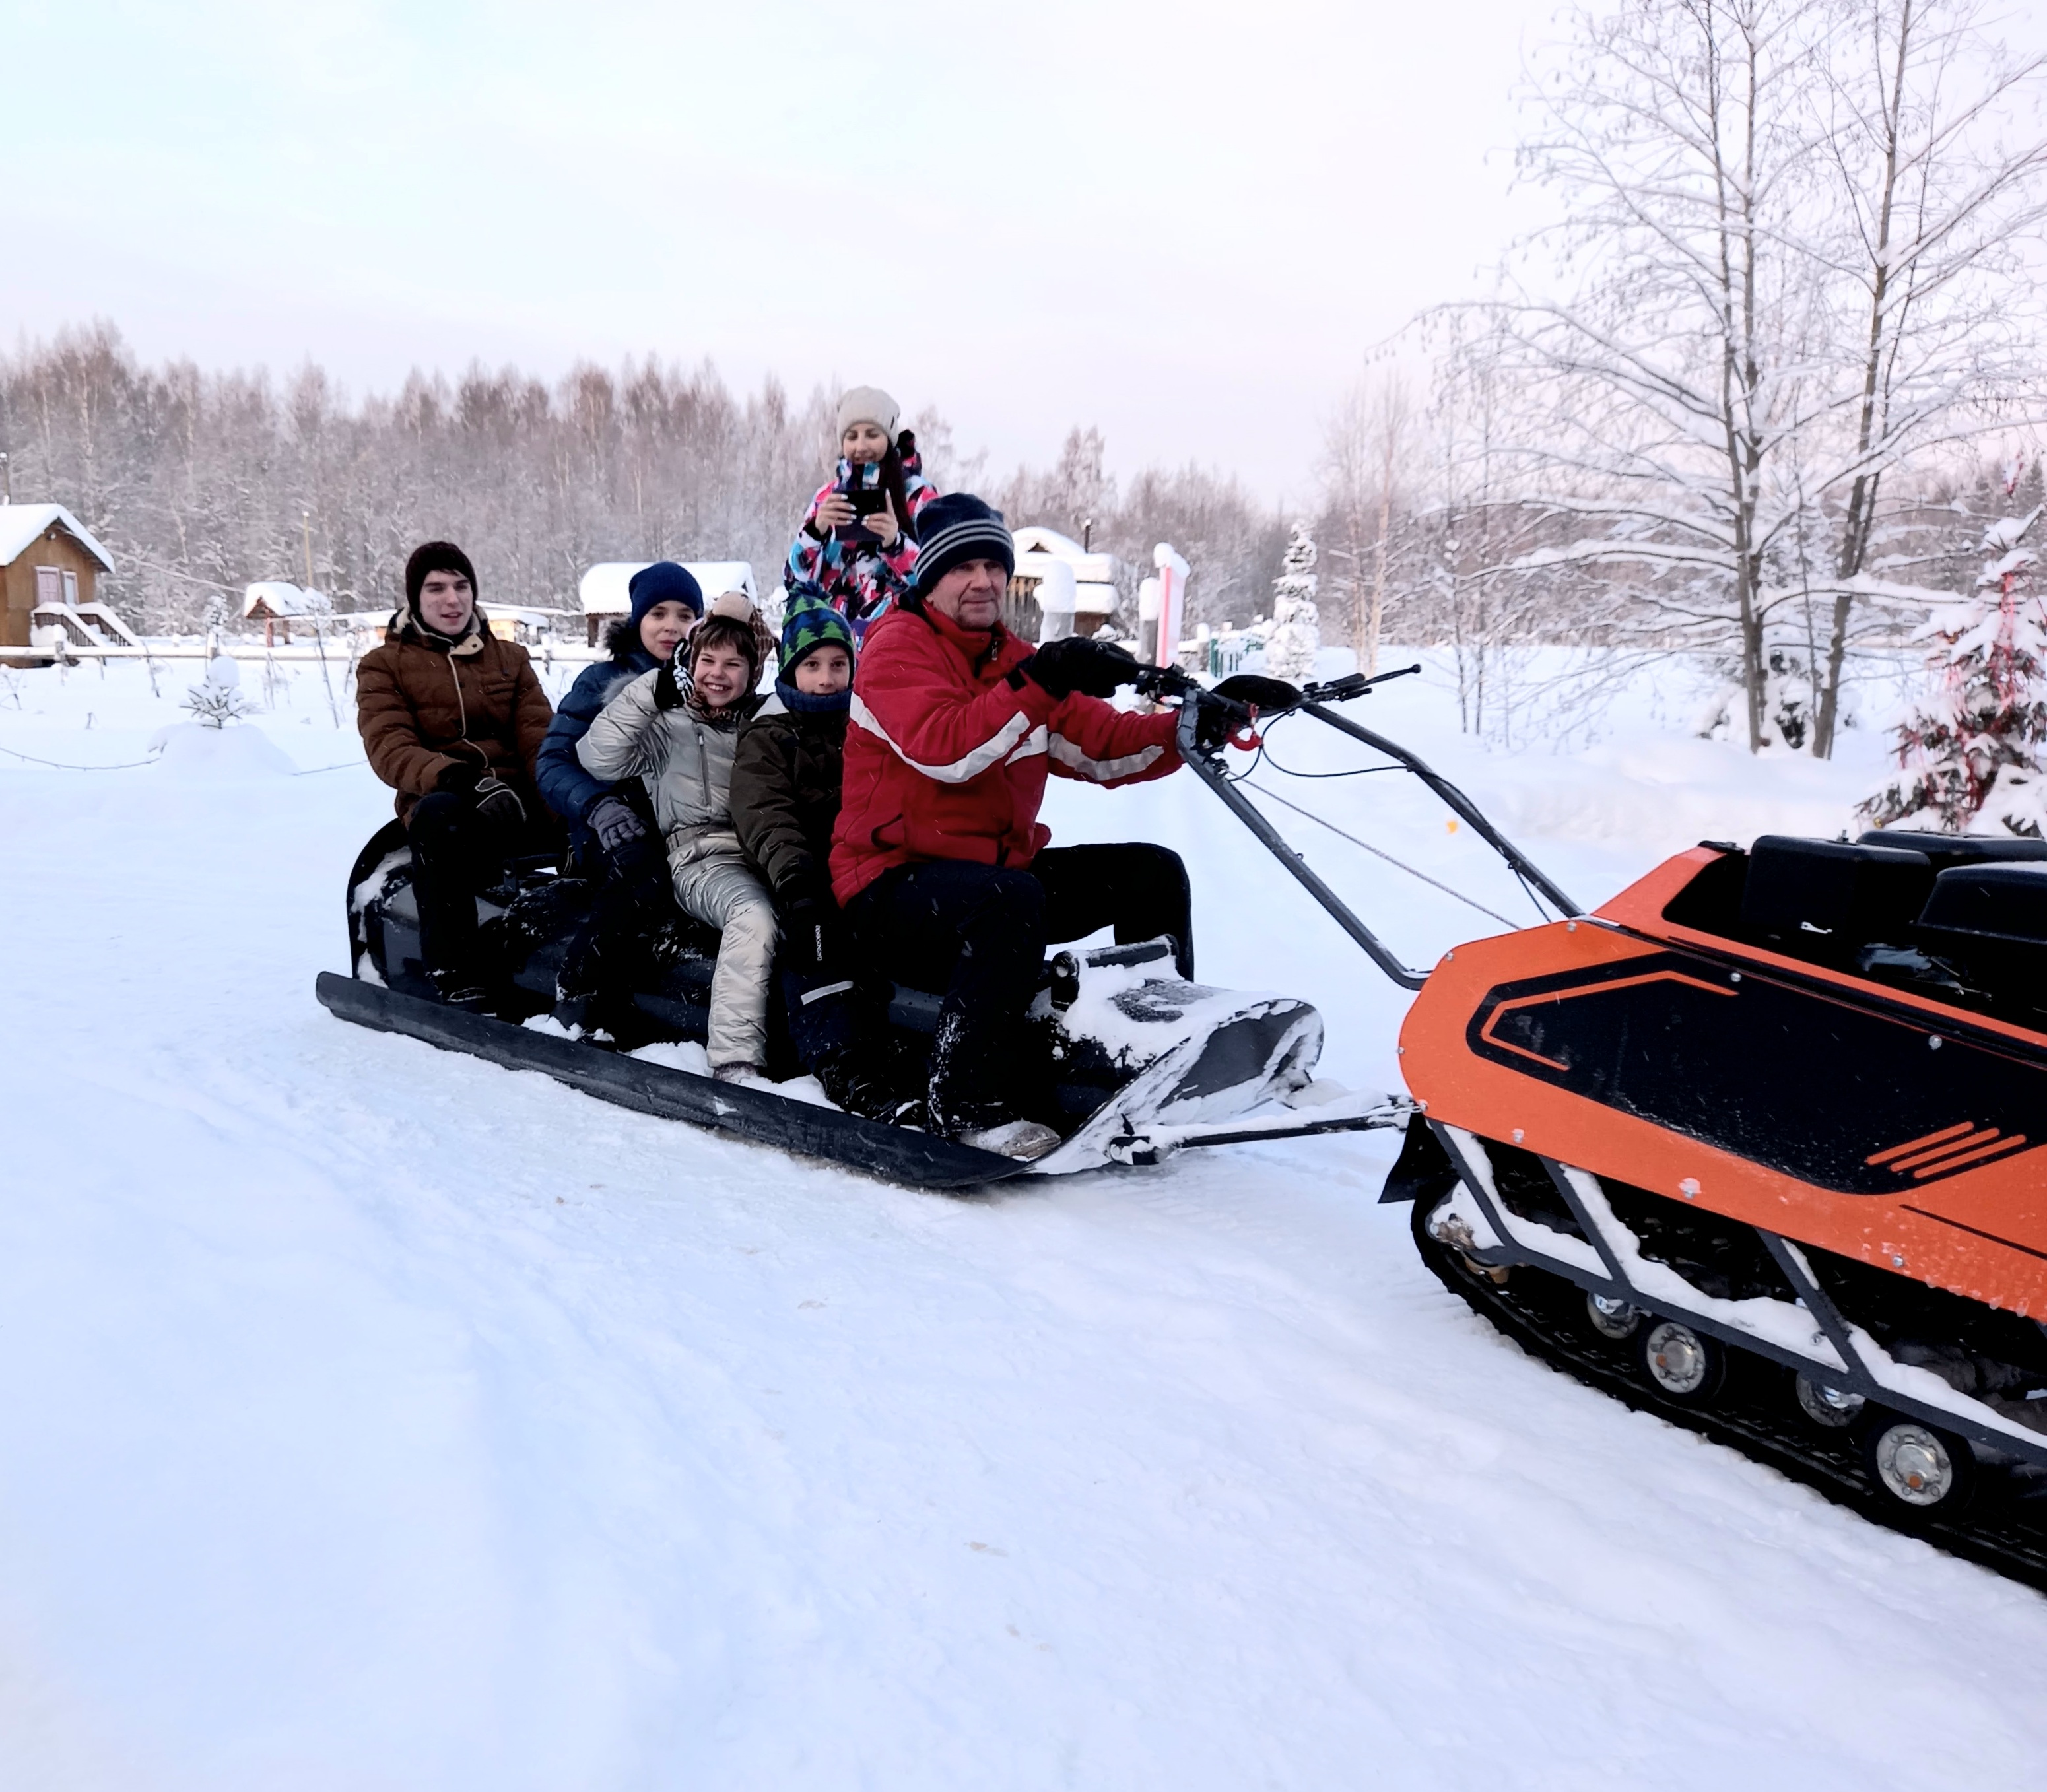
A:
x: 1970, y: 752
x: 217, y: 699
x: 1296, y: 636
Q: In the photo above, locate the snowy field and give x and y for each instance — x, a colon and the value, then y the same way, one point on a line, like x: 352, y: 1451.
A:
x: 378, y: 1418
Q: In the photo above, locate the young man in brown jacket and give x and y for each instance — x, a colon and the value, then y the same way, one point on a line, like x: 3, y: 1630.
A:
x: 452, y: 719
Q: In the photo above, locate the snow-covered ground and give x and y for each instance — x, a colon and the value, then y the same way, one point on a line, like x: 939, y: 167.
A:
x: 374, y: 1418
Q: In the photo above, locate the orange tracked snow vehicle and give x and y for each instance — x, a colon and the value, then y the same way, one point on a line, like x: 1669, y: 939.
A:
x: 1760, y: 1145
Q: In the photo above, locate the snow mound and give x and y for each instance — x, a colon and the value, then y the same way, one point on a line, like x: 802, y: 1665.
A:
x: 192, y: 749
x: 1666, y: 792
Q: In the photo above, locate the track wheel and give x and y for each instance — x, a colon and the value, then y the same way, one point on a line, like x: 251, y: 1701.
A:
x: 1922, y: 1472
x: 1616, y: 1319
x: 1685, y: 1366
x: 1834, y: 1408
x: 1447, y: 1239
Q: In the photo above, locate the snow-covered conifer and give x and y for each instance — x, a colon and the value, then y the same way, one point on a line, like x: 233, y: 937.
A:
x: 217, y: 698
x: 1970, y: 753
x: 1295, y: 638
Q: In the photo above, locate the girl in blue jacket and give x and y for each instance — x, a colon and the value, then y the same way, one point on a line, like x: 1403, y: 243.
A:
x: 609, y: 830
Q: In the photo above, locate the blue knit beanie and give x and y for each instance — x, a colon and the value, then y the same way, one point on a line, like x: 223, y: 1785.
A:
x: 809, y: 622
x: 663, y: 582
x: 954, y: 529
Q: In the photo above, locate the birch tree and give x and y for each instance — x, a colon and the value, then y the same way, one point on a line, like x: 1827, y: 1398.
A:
x: 1788, y: 265
x: 1681, y: 357
x: 1936, y: 208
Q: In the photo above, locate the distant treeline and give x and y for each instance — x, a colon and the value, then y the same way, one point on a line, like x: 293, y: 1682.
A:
x: 199, y: 482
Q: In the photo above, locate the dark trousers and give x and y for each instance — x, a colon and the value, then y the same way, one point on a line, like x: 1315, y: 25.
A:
x: 612, y: 950
x: 978, y: 932
x: 456, y: 855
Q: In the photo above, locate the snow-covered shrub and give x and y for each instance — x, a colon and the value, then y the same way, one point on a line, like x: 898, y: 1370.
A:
x: 1787, y: 706
x: 1969, y: 752
x: 217, y: 699
x: 1295, y: 637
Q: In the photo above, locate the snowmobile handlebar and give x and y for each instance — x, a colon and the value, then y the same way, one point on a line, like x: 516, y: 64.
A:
x: 1243, y: 698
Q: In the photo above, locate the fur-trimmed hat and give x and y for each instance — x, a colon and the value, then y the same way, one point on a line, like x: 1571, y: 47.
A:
x: 809, y: 623
x: 732, y: 619
x: 954, y: 529
x: 868, y: 403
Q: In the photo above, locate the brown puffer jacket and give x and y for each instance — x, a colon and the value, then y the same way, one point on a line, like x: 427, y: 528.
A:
x: 423, y: 704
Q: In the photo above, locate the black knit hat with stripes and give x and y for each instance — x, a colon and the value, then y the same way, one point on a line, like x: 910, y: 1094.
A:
x: 955, y: 528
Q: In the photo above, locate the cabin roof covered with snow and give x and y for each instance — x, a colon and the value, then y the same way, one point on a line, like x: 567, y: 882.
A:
x: 604, y: 588
x: 280, y: 598
x: 22, y: 525
x: 1088, y: 568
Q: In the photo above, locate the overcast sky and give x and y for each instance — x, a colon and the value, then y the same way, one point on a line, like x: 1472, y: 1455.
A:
x: 1184, y: 222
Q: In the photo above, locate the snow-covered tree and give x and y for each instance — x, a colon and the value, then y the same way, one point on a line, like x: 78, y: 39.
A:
x: 1970, y: 753
x: 1936, y: 197
x: 217, y: 699
x: 1295, y: 637
x: 1791, y: 258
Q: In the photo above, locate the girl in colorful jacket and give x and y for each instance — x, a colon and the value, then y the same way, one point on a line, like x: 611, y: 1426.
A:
x: 862, y: 579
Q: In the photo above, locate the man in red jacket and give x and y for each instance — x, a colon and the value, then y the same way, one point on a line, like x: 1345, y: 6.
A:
x: 939, y: 859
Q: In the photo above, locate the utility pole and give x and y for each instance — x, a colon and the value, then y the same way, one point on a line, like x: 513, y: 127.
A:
x: 7, y: 481
x: 320, y: 621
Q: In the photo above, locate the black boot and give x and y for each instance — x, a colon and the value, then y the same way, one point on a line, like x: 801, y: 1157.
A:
x: 871, y: 1085
x: 459, y: 986
x: 963, y: 1103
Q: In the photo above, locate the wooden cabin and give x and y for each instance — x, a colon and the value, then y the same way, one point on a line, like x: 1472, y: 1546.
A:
x: 48, y: 562
x: 277, y: 604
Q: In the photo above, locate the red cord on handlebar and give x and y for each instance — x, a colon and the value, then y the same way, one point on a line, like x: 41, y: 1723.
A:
x: 1250, y: 740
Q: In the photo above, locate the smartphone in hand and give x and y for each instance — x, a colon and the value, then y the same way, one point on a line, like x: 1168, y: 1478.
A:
x: 861, y: 486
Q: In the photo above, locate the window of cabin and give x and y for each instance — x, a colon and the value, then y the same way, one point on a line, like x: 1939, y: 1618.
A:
x: 71, y: 588
x: 50, y: 585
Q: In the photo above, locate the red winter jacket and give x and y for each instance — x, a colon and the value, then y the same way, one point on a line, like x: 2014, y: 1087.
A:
x: 949, y: 745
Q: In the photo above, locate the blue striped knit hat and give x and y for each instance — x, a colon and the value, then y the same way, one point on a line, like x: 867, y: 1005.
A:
x: 809, y: 622
x: 955, y: 528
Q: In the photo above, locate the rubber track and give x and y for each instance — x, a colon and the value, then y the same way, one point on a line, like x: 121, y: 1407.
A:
x: 2004, y: 1532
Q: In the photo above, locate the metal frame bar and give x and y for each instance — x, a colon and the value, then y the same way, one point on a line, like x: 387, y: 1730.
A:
x: 1269, y: 837
x: 1171, y: 1138
x: 1455, y: 798
x: 1798, y: 1272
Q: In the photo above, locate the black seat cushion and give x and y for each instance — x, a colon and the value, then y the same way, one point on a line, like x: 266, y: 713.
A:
x: 1945, y: 850
x: 1825, y: 898
x: 1988, y: 901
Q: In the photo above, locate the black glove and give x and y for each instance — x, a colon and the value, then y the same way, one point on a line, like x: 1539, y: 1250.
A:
x: 667, y: 692
x: 1093, y: 667
x: 1215, y: 721
x: 459, y: 777
x: 615, y: 823
x: 496, y: 801
x: 1272, y: 696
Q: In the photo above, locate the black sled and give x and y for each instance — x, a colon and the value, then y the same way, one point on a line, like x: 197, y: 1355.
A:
x: 1132, y: 1063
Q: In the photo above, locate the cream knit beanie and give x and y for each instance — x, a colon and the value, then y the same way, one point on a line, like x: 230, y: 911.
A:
x: 868, y: 403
